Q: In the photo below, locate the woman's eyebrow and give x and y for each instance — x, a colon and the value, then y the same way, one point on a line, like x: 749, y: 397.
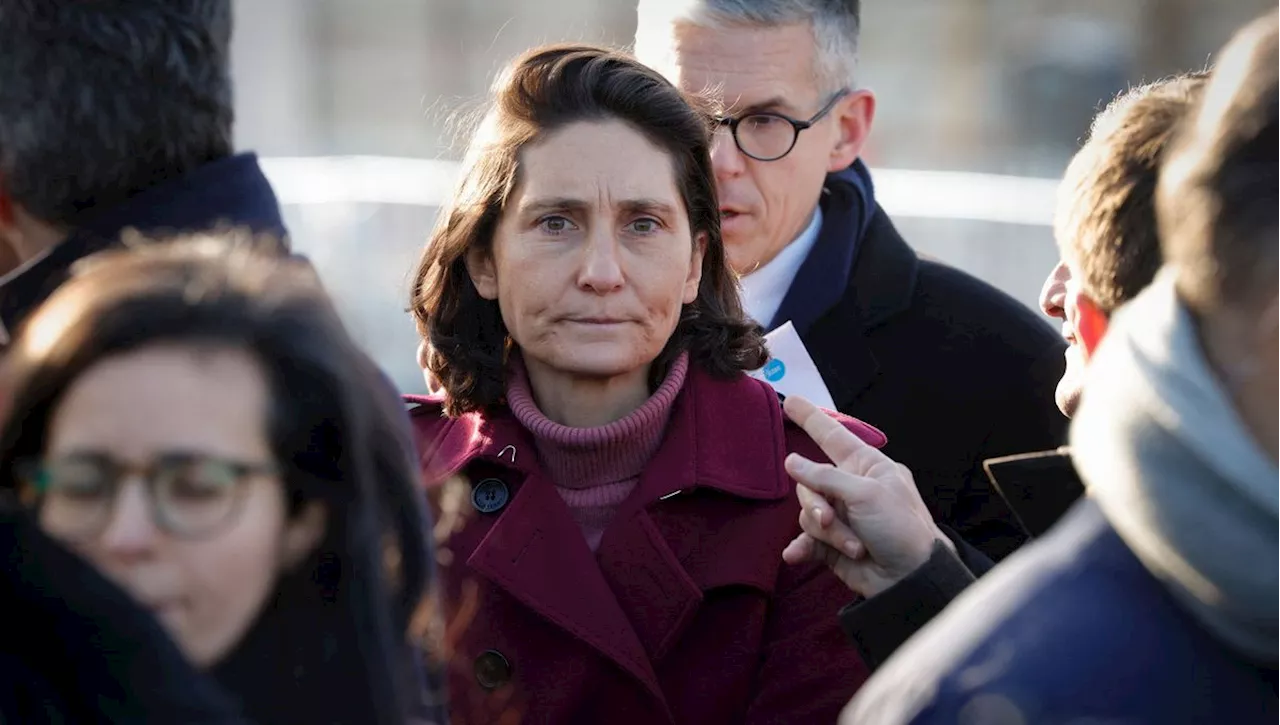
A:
x: 555, y: 203
x: 647, y: 205
x: 559, y: 203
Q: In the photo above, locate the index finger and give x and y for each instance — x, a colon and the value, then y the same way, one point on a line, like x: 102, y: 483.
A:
x: 838, y: 442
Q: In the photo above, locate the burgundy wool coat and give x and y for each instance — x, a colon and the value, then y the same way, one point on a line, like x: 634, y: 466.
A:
x: 685, y: 614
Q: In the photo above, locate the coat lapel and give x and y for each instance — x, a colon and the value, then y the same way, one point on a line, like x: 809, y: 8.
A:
x: 851, y: 282
x: 881, y: 284
x: 653, y: 555
x: 841, y: 353
x: 859, y: 274
x: 535, y: 551
x: 1039, y: 487
x: 537, y: 554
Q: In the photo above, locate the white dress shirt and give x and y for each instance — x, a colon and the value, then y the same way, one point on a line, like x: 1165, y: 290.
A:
x: 764, y: 289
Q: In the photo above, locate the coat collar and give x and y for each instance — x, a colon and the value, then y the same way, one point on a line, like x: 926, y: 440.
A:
x: 1038, y: 487
x: 882, y: 283
x: 696, y: 449
x: 847, y: 203
x: 231, y: 191
x: 860, y: 274
x: 884, y: 275
x: 858, y: 250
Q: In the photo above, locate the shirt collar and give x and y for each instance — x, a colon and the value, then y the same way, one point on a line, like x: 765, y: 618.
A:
x: 764, y: 289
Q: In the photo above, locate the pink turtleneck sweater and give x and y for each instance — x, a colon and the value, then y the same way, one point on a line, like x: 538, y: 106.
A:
x: 595, y: 469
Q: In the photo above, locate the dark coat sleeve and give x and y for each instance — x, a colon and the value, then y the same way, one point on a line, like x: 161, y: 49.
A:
x: 83, y: 652
x: 1028, y: 420
x: 879, y: 625
x: 974, y: 560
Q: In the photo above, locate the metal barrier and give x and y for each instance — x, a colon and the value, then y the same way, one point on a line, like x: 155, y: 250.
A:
x: 363, y: 221
x: 903, y: 193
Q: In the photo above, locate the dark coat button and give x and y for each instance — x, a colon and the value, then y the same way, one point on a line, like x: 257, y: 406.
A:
x: 490, y: 495
x: 492, y: 670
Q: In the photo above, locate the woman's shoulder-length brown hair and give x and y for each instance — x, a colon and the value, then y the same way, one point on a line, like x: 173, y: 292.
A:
x: 543, y: 90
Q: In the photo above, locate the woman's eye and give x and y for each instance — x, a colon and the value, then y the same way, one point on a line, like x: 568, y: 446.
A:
x: 77, y: 480
x: 555, y: 224
x: 193, y: 487
x: 645, y: 226
x: 80, y: 487
x: 199, y: 481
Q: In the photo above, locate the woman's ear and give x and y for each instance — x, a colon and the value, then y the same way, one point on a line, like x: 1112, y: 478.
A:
x: 483, y: 273
x: 694, y: 280
x: 303, y: 533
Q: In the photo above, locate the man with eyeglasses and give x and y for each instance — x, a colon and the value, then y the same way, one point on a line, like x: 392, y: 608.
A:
x: 953, y: 370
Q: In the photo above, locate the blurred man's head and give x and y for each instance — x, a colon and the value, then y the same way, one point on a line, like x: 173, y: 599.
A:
x: 1217, y: 211
x: 1105, y: 223
x: 796, y: 58
x: 100, y: 100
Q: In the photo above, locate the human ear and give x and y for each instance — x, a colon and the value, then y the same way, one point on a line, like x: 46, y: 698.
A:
x: 853, y: 115
x: 483, y: 272
x: 694, y: 279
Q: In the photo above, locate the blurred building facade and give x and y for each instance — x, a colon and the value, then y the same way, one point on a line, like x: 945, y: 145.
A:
x: 1001, y: 86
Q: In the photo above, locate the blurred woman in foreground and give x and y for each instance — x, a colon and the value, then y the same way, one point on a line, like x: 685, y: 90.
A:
x: 193, y: 419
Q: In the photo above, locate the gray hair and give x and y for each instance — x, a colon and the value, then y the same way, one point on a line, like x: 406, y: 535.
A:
x: 101, y: 100
x: 835, y: 25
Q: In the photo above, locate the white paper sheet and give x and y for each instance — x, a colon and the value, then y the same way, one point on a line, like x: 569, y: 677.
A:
x: 790, y: 370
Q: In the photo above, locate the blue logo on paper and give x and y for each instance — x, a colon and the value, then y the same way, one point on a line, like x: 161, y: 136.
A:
x: 774, y: 370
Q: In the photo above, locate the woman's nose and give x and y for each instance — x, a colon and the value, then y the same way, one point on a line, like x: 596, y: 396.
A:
x: 131, y: 530
x: 601, y: 269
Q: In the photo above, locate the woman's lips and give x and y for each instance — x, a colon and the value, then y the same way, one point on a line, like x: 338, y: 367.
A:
x: 595, y: 320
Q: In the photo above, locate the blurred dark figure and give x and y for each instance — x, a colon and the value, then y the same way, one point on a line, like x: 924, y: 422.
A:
x: 1154, y: 600
x: 114, y: 114
x: 192, y: 418
x: 78, y: 650
x: 953, y: 370
x: 1105, y: 226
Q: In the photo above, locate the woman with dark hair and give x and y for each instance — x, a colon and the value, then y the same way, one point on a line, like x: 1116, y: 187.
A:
x: 617, y: 555
x: 194, y: 421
